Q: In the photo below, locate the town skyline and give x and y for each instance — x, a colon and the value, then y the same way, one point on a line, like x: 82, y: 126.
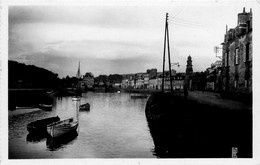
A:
x: 119, y: 39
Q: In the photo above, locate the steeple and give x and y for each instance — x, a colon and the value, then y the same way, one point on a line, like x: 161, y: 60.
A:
x: 189, y: 69
x: 78, y: 73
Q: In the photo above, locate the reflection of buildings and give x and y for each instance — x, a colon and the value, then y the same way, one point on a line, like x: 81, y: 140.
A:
x: 237, y: 55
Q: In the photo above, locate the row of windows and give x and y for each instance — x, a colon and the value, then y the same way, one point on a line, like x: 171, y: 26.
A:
x: 236, y: 84
x: 236, y: 58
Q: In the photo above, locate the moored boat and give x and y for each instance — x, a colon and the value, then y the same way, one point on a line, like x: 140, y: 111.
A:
x: 46, y: 107
x: 84, y: 107
x: 61, y: 128
x: 75, y: 98
x: 139, y: 97
x: 41, y: 125
x: 28, y: 107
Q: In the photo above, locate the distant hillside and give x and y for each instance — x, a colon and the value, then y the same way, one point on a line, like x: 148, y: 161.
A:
x: 30, y: 76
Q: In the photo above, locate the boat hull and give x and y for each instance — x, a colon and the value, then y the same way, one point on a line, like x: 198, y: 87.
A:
x: 62, y: 128
x: 41, y: 125
x: 45, y: 107
x: 84, y: 107
x: 139, y: 97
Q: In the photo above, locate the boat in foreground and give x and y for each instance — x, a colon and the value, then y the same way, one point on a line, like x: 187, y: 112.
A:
x: 63, y: 127
x: 41, y: 125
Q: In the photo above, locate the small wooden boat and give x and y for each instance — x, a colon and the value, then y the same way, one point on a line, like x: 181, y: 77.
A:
x: 45, y: 107
x: 84, y: 107
x: 41, y: 125
x: 75, y: 98
x: 28, y: 107
x: 139, y: 97
x: 61, y: 128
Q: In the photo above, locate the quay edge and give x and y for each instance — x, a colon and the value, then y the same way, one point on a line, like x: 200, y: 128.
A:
x: 188, y: 128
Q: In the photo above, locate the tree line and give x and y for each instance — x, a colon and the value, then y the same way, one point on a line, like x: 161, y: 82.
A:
x: 29, y: 76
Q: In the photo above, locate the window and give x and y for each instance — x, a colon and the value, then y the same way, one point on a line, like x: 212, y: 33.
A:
x: 247, y: 52
x: 246, y: 83
x: 226, y: 59
x: 236, y: 56
x: 235, y: 83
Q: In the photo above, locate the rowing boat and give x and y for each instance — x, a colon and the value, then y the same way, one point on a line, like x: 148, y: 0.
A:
x: 61, y: 128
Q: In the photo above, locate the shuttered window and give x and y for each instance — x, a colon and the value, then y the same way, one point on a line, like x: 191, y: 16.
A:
x: 236, y: 56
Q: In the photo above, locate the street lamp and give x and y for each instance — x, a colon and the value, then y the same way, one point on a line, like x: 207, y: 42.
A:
x: 177, y: 63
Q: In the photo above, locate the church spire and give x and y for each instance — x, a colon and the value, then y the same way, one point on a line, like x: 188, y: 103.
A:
x: 78, y: 73
x: 189, y: 69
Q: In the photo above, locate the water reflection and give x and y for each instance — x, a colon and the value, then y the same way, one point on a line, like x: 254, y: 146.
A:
x: 54, y: 144
x: 36, y: 137
x: 115, y: 127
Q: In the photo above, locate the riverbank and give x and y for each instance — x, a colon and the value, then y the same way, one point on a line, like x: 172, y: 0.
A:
x: 143, y: 91
x: 203, y: 125
x: 27, y: 98
x: 22, y: 111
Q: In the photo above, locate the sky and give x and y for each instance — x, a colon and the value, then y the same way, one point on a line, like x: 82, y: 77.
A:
x: 119, y: 39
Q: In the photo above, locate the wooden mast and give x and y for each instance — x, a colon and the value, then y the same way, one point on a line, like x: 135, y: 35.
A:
x: 169, y: 58
x: 164, y: 51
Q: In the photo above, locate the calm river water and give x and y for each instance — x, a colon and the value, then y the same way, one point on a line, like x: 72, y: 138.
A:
x: 115, y: 127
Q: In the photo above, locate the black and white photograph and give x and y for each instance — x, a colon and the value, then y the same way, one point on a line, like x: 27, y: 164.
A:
x: 142, y: 82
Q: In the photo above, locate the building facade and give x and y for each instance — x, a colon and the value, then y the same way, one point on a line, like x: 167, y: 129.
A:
x: 213, y: 77
x: 88, y: 80
x: 237, y: 56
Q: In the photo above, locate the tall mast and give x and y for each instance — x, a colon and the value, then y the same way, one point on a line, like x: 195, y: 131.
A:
x: 164, y: 51
x: 169, y: 58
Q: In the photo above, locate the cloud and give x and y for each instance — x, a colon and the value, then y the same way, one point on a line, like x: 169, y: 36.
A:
x: 101, y: 16
x: 114, y: 38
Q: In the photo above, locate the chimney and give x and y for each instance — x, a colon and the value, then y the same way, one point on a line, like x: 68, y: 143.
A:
x: 226, y: 28
x: 244, y: 10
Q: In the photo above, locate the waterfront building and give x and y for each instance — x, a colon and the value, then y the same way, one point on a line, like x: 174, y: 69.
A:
x: 237, y: 56
x: 125, y: 83
x: 146, y: 80
x: 213, y: 76
x: 132, y: 83
x: 139, y: 83
x: 88, y: 80
x: 178, y: 81
x: 154, y: 83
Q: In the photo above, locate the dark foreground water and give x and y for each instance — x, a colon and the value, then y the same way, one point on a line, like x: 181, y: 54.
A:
x: 115, y: 127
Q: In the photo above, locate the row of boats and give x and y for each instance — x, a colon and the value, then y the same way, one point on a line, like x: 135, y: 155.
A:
x: 54, y: 126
